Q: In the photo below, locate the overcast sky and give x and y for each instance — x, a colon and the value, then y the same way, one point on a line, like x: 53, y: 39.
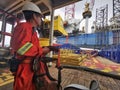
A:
x: 79, y: 8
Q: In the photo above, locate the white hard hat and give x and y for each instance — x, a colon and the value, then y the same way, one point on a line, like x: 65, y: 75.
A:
x: 29, y: 6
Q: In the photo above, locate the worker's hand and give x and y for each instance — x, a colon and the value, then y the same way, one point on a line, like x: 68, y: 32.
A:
x: 53, y: 48
x: 46, y: 50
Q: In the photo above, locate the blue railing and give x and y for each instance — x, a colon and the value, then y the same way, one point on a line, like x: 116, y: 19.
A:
x: 112, y: 52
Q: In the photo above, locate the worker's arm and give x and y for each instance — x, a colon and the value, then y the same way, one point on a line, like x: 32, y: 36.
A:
x: 23, y: 45
x: 45, y: 50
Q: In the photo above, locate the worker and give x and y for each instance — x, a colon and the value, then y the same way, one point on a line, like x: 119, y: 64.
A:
x: 25, y: 47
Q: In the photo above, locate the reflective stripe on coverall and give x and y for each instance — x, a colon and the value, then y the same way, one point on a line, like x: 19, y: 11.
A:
x: 23, y: 34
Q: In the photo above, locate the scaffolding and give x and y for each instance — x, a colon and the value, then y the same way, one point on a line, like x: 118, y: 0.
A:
x: 102, y: 17
x: 116, y: 8
x: 101, y: 24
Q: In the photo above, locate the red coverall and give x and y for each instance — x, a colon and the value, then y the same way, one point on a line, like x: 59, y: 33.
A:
x: 22, y: 34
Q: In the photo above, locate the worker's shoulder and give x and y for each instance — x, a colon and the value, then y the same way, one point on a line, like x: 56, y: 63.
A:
x: 24, y: 25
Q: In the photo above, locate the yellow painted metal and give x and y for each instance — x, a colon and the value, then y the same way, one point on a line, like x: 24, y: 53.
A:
x: 1, y: 80
x: 44, y: 42
x: 6, y: 78
x: 58, y: 25
x: 7, y: 82
x: 67, y: 56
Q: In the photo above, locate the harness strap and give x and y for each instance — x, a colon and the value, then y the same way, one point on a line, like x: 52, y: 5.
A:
x: 41, y: 75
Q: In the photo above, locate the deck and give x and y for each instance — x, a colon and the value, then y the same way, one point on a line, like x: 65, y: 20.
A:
x: 70, y: 76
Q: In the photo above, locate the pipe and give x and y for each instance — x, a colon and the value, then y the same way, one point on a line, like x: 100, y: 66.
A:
x: 3, y: 29
x: 7, y: 13
x: 86, y: 24
x: 51, y: 32
x: 5, y: 33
